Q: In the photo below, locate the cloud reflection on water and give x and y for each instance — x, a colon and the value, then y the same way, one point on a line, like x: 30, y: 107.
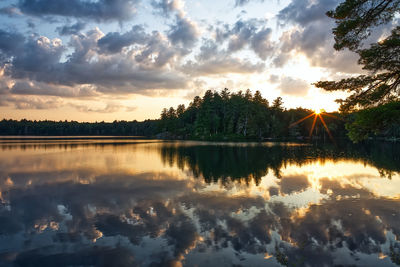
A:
x: 159, y: 204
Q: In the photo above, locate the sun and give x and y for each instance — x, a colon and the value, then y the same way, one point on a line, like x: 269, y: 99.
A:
x: 317, y: 114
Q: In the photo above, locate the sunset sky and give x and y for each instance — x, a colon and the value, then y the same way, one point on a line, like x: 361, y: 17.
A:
x: 127, y: 59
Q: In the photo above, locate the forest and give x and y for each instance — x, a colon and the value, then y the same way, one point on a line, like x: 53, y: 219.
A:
x: 230, y: 116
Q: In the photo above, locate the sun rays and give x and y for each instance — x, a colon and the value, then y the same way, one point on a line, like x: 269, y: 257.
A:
x: 317, y: 115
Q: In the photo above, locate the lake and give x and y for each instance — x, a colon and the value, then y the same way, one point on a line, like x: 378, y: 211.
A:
x: 122, y: 202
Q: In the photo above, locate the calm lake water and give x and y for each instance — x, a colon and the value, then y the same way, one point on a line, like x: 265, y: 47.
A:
x: 153, y: 203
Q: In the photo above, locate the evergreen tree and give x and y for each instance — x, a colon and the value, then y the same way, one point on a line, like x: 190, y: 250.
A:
x: 355, y: 20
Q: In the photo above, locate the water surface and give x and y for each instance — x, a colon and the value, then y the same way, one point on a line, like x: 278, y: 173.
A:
x: 105, y: 202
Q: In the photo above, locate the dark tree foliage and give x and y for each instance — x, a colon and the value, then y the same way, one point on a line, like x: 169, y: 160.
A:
x: 215, y: 116
x: 237, y: 116
x: 355, y: 20
x: 249, y: 163
x: 381, y: 121
x: 74, y: 128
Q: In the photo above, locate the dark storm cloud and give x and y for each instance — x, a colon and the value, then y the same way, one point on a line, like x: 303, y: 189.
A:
x: 113, y: 42
x: 101, y: 10
x: 71, y: 29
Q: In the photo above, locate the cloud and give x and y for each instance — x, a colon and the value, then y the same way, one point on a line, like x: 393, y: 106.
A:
x: 222, y: 65
x: 113, y: 42
x: 37, y: 59
x: 293, y: 86
x: 214, y: 60
x: 32, y: 102
x: 71, y: 29
x: 26, y: 87
x: 125, y: 211
x: 109, y: 108
x: 239, y: 3
x: 251, y: 34
x: 183, y: 32
x: 94, y: 62
x: 168, y: 7
x: 101, y: 10
x: 304, y: 12
x: 10, y: 42
x: 10, y: 11
x: 316, y: 43
x: 310, y: 35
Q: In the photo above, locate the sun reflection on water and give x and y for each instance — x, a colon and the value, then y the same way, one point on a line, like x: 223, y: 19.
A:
x: 169, y: 203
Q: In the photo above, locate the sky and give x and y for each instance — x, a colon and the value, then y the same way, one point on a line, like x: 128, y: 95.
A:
x: 105, y: 60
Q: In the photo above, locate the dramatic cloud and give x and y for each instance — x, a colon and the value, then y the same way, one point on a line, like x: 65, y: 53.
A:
x: 10, y: 42
x: 250, y: 33
x: 39, y: 59
x: 113, y: 42
x: 101, y: 10
x: 304, y: 12
x: 183, y: 32
x: 311, y: 37
x: 98, y: 48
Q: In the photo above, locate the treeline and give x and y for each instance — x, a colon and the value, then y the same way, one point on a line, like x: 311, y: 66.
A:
x: 74, y: 128
x: 243, y: 115
x: 229, y: 115
x: 220, y: 115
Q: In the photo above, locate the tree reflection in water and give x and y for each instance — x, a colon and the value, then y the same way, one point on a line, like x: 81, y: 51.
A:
x: 231, y: 204
x: 252, y: 162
